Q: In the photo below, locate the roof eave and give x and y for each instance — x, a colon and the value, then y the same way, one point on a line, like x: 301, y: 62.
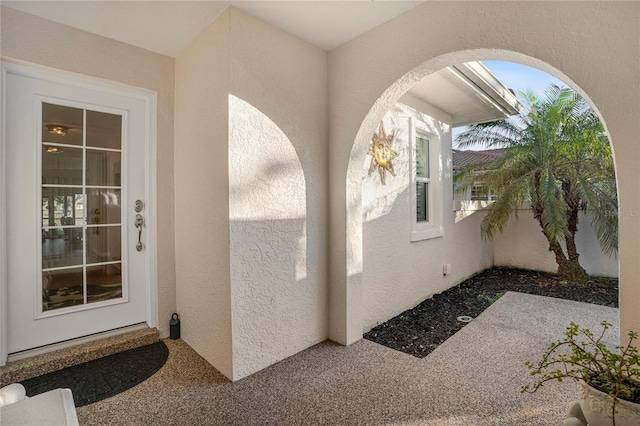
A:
x: 476, y: 76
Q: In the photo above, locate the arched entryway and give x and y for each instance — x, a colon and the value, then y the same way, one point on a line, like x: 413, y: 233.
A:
x: 346, y: 290
x: 420, y: 237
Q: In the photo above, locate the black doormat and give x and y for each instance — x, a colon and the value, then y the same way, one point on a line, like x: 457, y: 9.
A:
x: 104, y: 377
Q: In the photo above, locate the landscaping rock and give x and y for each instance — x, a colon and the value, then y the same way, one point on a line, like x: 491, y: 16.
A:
x: 420, y: 330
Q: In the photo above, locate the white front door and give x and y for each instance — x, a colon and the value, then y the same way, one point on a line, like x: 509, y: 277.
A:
x: 75, y: 166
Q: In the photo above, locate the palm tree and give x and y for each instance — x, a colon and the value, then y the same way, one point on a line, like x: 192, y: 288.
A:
x: 557, y: 162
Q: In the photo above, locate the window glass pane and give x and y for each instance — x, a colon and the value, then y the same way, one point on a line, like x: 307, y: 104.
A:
x: 62, y: 206
x: 103, y: 168
x: 104, y: 282
x: 61, y: 289
x: 479, y: 192
x: 103, y: 244
x: 422, y: 157
x: 61, y: 124
x: 104, y: 130
x: 103, y: 205
x: 61, y: 247
x: 61, y: 165
x: 422, y: 201
x: 45, y: 211
x: 79, y: 206
x: 70, y: 237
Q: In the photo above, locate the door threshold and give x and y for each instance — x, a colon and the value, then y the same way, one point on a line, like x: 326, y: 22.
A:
x: 34, y: 362
x: 74, y: 342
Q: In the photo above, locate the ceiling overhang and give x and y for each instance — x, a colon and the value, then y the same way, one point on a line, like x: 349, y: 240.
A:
x: 469, y: 93
x: 167, y: 27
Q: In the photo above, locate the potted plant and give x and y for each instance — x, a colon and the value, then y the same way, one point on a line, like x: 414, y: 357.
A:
x: 609, y: 380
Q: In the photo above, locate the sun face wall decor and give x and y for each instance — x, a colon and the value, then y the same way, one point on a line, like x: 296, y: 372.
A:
x: 381, y: 153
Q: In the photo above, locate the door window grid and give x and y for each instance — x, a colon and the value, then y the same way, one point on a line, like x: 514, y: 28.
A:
x: 73, y: 226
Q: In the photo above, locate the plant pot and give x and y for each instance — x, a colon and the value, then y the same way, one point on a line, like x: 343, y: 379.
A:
x: 596, y: 407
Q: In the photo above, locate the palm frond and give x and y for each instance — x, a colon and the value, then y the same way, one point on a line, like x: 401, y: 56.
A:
x: 557, y: 155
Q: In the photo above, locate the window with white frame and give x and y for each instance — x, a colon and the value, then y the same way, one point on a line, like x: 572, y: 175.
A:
x: 426, y: 185
x: 477, y: 191
x: 480, y: 192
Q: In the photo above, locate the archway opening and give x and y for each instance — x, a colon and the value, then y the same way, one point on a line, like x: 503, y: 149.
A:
x: 409, y: 271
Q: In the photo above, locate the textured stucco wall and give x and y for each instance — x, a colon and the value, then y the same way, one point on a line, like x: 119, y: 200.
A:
x: 594, y: 46
x: 39, y: 41
x: 397, y: 273
x: 202, y: 195
x: 278, y: 212
x: 523, y: 245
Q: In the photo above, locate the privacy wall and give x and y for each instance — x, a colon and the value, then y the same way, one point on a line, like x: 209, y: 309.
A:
x: 523, y: 245
x: 399, y: 273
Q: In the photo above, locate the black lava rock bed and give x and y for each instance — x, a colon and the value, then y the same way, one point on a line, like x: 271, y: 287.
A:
x: 420, y: 330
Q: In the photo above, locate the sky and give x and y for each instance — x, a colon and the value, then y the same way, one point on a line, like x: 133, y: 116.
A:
x: 519, y: 78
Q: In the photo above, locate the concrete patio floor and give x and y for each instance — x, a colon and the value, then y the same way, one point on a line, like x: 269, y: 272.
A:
x: 473, y: 379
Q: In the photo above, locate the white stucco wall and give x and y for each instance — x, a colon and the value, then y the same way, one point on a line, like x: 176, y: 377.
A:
x: 251, y: 127
x: 42, y: 42
x: 522, y: 245
x: 278, y: 213
x: 397, y: 273
x: 593, y: 46
x: 202, y: 195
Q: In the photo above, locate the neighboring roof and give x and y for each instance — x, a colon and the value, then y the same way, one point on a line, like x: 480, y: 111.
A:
x: 467, y: 158
x: 469, y: 93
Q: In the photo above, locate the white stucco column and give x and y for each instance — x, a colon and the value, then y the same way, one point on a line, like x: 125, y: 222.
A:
x: 203, y: 283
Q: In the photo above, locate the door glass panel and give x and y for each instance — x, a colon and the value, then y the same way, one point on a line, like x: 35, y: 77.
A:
x: 80, y: 190
x: 103, y: 168
x: 104, y: 205
x: 62, y: 206
x: 61, y: 165
x: 61, y: 124
x: 61, y: 289
x: 45, y: 212
x: 103, y: 244
x: 61, y: 247
x: 104, y: 282
x: 104, y: 130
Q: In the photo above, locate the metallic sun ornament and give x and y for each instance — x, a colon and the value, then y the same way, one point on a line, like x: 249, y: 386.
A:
x: 381, y: 152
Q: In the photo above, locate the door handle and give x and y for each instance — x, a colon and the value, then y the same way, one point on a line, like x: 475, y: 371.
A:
x: 138, y: 206
x: 139, y: 222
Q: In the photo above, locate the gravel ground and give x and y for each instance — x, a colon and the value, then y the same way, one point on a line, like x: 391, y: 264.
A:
x: 420, y: 330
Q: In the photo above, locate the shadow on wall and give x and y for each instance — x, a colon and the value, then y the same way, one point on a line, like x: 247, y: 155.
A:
x: 274, y: 309
x: 266, y: 180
